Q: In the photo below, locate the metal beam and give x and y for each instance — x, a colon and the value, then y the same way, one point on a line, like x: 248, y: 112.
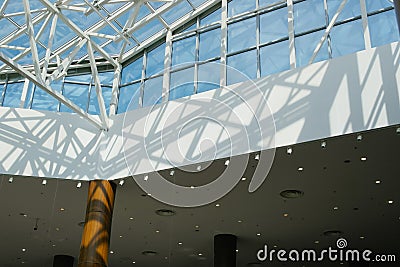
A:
x: 26, y: 74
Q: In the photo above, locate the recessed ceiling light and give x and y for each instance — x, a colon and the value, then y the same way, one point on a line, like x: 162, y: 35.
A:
x: 149, y: 253
x: 300, y: 169
x: 398, y: 130
x: 359, y: 137
x: 323, y: 144
x: 275, y: 246
x: 244, y: 178
x: 133, y: 262
x: 165, y: 212
x: 363, y: 158
x: 258, y: 234
x: 316, y: 242
x: 53, y: 245
x: 237, y: 250
x: 335, y: 208
x: 285, y: 214
x: 24, y: 249
x: 62, y: 209
x: 130, y: 218
x: 10, y: 180
x: 362, y: 237
x: 227, y: 162
x: 333, y: 233
x: 120, y: 236
x: 198, y: 168
x: 291, y: 193
x: 239, y: 221
x: 390, y: 201
x: 146, y: 177
x: 44, y: 182
x: 79, y: 185
x: 157, y: 231
x: 191, y: 187
x: 180, y: 243
x: 200, y: 254
x: 23, y: 214
x: 197, y: 227
x: 121, y: 182
x: 57, y: 229
x: 378, y: 181
x: 289, y: 150
x: 172, y: 172
x: 217, y: 205
x: 111, y: 252
x: 257, y: 157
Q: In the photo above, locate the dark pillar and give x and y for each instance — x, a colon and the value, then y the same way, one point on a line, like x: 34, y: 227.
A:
x: 224, y: 250
x: 96, y: 233
x: 397, y: 9
x: 63, y: 261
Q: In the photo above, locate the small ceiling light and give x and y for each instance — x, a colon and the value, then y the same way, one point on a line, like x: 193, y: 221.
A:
x: 44, y: 182
x: 197, y: 227
x: 53, y: 245
x: 133, y: 262
x: 198, y: 168
x: 10, y: 180
x: 171, y: 173
x: 362, y: 237
x: 275, y: 246
x: 23, y: 214
x: 285, y: 214
x: 378, y: 181
x: 258, y: 234
x: 57, y: 229
x: 165, y: 212
x: 237, y: 250
x: 335, y: 208
x: 257, y: 157
x: 146, y: 177
x: 239, y: 221
x: 300, y: 169
x: 289, y: 151
x: 157, y: 231
x: 111, y: 252
x: 191, y: 187
x: 200, y: 254
x: 363, y: 158
x: 120, y: 236
x: 217, y: 205
x: 180, y: 243
x: 359, y: 138
x: 227, y: 162
x: 24, y: 249
x: 121, y: 182
x: 130, y: 218
x: 79, y: 185
x: 398, y: 130
x: 316, y: 242
x: 62, y: 209
x: 244, y: 178
x: 323, y: 144
x: 291, y: 193
x: 390, y: 201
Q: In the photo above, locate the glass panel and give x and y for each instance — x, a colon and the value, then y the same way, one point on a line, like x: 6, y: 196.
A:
x: 177, y: 12
x: 210, y: 44
x: 93, y: 103
x: 373, y: 5
x: 152, y: 91
x: 13, y: 94
x: 77, y: 93
x: 44, y: 101
x: 308, y: 15
x: 239, y: 6
x: 383, y: 28
x: 155, y: 60
x: 208, y: 77
x: 83, y: 78
x: 149, y: 29
x: 129, y: 97
x: 184, y: 51
x: 263, y: 3
x: 181, y: 83
x: 274, y: 58
x: 246, y: 63
x: 350, y: 10
x: 305, y: 46
x: 211, y: 18
x: 274, y: 25
x: 241, y: 35
x: 106, y: 78
x: 133, y: 71
x: 347, y: 38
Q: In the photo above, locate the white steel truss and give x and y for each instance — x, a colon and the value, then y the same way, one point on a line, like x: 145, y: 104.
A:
x: 33, y: 48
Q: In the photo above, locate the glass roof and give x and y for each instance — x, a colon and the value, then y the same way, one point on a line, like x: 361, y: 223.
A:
x: 53, y: 31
